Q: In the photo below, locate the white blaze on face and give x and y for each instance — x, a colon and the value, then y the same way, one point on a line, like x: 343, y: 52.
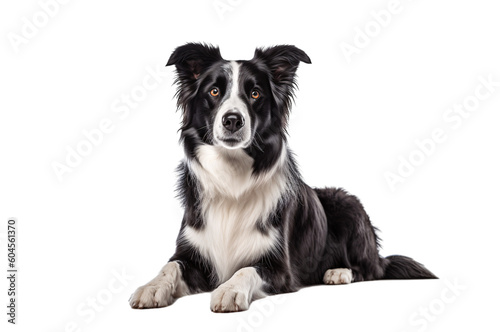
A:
x: 233, y: 103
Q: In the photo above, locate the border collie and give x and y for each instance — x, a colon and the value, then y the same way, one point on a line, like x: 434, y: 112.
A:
x: 251, y: 226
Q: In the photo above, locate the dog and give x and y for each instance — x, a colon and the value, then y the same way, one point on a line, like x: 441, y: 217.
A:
x: 251, y: 226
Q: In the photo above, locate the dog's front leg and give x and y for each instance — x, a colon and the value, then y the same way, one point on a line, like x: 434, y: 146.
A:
x: 238, y: 292
x: 162, y: 290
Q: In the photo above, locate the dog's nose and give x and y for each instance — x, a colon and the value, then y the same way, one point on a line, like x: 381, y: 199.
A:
x: 233, y: 121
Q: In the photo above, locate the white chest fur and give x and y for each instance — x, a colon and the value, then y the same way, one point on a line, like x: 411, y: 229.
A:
x: 233, y: 202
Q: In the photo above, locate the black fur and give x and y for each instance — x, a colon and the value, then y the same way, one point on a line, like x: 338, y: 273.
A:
x: 322, y: 228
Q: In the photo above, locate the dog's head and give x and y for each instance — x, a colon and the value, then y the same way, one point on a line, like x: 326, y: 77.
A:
x: 235, y: 104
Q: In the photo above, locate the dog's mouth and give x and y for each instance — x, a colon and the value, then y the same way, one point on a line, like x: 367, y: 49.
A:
x: 230, y: 142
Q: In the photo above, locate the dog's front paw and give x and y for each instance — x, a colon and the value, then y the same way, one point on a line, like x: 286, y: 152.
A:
x: 162, y: 290
x: 153, y: 295
x: 229, y: 299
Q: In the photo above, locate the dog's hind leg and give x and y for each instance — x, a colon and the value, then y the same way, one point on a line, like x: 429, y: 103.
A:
x: 352, y: 241
x: 338, y: 276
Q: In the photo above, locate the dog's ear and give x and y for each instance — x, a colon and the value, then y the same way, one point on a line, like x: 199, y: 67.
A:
x: 192, y: 59
x: 283, y: 61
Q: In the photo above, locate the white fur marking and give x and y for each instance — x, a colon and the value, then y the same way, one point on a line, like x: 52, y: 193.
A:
x: 233, y: 104
x: 162, y: 290
x: 237, y: 293
x: 337, y: 276
x: 233, y: 202
x: 236, y: 75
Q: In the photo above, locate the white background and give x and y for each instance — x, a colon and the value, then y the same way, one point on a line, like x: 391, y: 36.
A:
x: 116, y: 212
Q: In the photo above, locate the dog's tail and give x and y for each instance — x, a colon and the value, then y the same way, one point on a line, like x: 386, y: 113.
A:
x: 402, y: 267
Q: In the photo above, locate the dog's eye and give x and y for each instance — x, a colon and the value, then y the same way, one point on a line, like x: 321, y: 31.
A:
x: 255, y: 94
x: 214, y: 92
